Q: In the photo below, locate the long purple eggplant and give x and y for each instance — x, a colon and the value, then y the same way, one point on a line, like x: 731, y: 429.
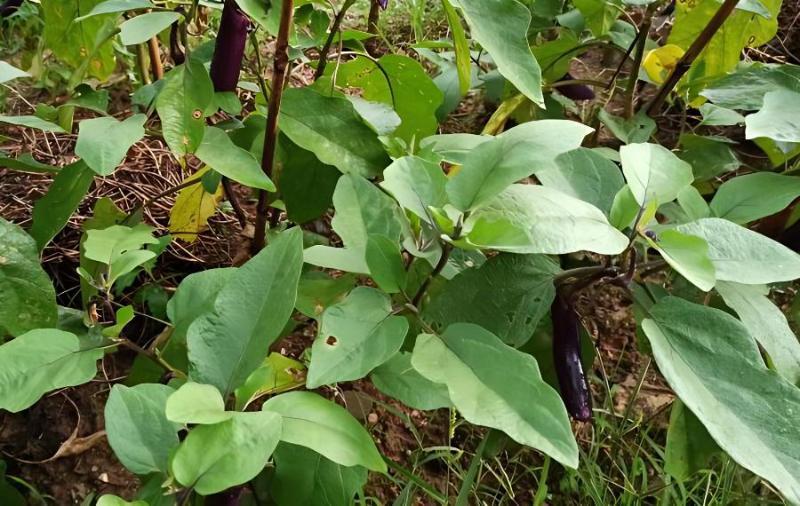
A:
x: 9, y: 7
x: 567, y: 359
x: 229, y: 49
x: 576, y: 92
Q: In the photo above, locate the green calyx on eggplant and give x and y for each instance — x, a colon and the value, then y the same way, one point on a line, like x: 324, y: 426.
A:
x: 229, y: 49
x: 567, y: 359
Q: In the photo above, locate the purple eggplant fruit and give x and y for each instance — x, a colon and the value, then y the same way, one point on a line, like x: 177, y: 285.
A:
x: 9, y: 7
x: 229, y: 49
x: 383, y: 3
x: 576, y: 92
x: 567, y: 359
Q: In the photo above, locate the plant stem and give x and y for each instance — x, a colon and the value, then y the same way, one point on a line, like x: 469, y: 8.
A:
x: 440, y: 265
x: 279, y: 69
x: 686, y: 61
x: 588, y: 82
x: 323, y: 54
x: 238, y: 210
x: 372, y: 26
x: 155, y: 59
x: 633, y: 78
x: 141, y: 55
x: 150, y: 355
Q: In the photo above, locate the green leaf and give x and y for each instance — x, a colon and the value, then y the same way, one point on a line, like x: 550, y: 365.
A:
x: 9, y: 72
x: 119, y: 247
x: 29, y: 299
x: 744, y: 256
x: 654, y: 173
x: 693, y: 203
x: 688, y: 255
x: 624, y: 209
x: 302, y: 170
x: 146, y: 26
x: 714, y: 115
x: 397, y: 378
x: 110, y: 6
x: 714, y: 366
x: 219, y: 152
x: 517, y: 153
x: 8, y: 493
x: 742, y: 199
x: 26, y: 162
x: 325, y: 427
x: 42, y: 360
x: 689, y: 445
x: 385, y: 263
x: 766, y: 323
x: 535, y: 219
x: 629, y: 130
x: 508, y: 296
x: 454, y: 148
x: 330, y: 128
x: 355, y: 336
x: 215, y: 457
x: 318, y: 290
x: 745, y: 88
x: 195, y: 403
x: 501, y: 27
x: 53, y: 210
x: 104, y: 214
x: 461, y: 47
x: 138, y: 431
x: 32, y: 122
x: 416, y: 184
x: 112, y: 500
x: 194, y: 297
x: 305, y: 477
x: 185, y: 96
x: 600, y: 15
x: 586, y: 175
x: 104, y: 142
x: 251, y: 309
x: 362, y: 210
x: 708, y: 156
x: 409, y: 90
x: 777, y: 119
x: 494, y: 385
x: 277, y: 374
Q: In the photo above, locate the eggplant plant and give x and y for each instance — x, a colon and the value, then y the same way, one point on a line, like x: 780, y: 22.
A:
x: 452, y: 274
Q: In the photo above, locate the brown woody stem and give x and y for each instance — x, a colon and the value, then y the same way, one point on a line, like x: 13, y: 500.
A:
x: 337, y: 23
x: 641, y: 42
x: 155, y: 59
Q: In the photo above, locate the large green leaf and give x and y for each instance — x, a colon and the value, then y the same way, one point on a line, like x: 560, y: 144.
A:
x: 777, y: 119
x: 318, y: 290
x: 230, y: 342
x: 52, y: 212
x: 767, y: 323
x: 325, y: 427
x: 29, y: 299
x: 416, y: 184
x: 494, y: 385
x: 708, y: 156
x: 109, y: 6
x: 104, y: 142
x: 402, y: 83
x: 689, y: 255
x: 747, y: 198
x: 454, y: 148
x: 586, y: 175
x: 528, y: 148
x: 714, y: 366
x: 195, y: 403
x: 138, y: 431
x: 146, y: 26
x: 689, y: 445
x: 215, y: 457
x: 355, y: 336
x: 219, y: 152
x: 745, y: 88
x: 304, y: 477
x: 397, y: 378
x: 330, y: 128
x: 535, y: 219
x: 600, y: 15
x: 744, y: 256
x: 32, y: 122
x: 181, y: 104
x: 42, y: 360
x: 508, y: 296
x: 501, y: 27
x: 654, y: 173
x: 195, y: 296
x: 301, y: 170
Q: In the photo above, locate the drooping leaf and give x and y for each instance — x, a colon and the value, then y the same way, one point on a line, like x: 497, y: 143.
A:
x: 138, y: 430
x: 325, y: 427
x: 143, y: 27
x: 494, y: 385
x: 654, y: 173
x: 42, y: 360
x: 600, y: 15
x: 461, y: 46
x: 714, y: 115
x: 27, y: 163
x: 637, y: 129
x: 227, y: 344
x: 397, y: 378
x: 29, y: 299
x: 454, y: 148
x: 714, y: 366
x: 192, y: 209
x: 104, y: 142
x: 385, y: 263
x: 52, y: 212
x: 110, y: 6
x: 693, y: 204
x: 186, y: 94
x: 585, y: 175
x: 195, y: 403
x: 689, y: 255
x: 747, y: 198
x: 777, y: 119
x: 221, y: 154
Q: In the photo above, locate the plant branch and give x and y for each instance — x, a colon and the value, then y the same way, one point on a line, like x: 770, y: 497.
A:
x: 326, y: 48
x: 633, y: 78
x: 440, y: 265
x: 686, y: 61
x: 141, y: 54
x: 150, y: 355
x: 238, y: 210
x: 372, y: 26
x: 281, y: 63
x: 155, y: 59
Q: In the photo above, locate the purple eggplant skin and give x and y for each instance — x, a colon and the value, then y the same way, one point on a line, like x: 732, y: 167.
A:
x: 231, y: 497
x: 229, y: 49
x: 577, y: 92
x: 383, y: 3
x: 9, y: 7
x: 567, y: 359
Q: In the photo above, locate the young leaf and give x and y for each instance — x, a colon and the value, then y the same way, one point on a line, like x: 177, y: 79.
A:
x: 195, y: 403
x: 221, y: 154
x: 29, y: 299
x: 146, y: 26
x: 42, y: 360
x: 193, y: 207
x: 654, y: 173
x: 104, y: 142
x: 215, y: 457
x: 251, y: 309
x: 416, y: 184
x: 325, y: 427
x: 385, y: 263
x: 496, y: 386
x: 742, y: 199
x: 714, y: 366
x: 355, y: 336
x: 119, y: 247
x: 181, y: 104
x: 397, y: 378
x: 687, y: 254
x: 138, y: 431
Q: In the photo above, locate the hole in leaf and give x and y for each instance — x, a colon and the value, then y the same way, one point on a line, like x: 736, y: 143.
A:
x: 331, y: 341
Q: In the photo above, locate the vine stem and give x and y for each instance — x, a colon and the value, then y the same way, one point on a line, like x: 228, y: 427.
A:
x: 691, y: 54
x: 326, y: 48
x: 372, y: 26
x: 150, y: 355
x: 633, y: 78
x: 280, y: 66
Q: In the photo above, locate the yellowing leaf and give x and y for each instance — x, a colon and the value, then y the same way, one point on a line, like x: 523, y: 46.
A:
x: 660, y: 62
x: 192, y: 209
x: 277, y: 374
